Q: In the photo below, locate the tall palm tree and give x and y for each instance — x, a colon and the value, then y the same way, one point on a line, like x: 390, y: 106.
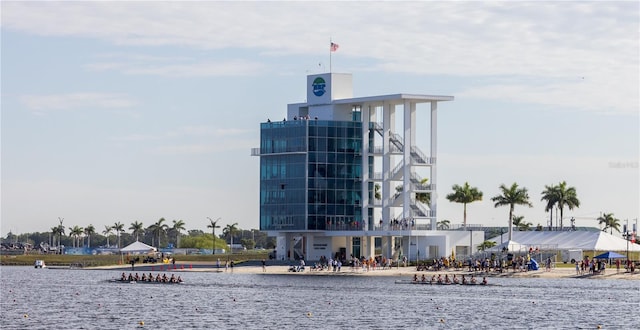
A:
x: 119, y: 228
x: 443, y: 225
x: 609, y: 222
x: 54, y: 232
x: 157, y: 229
x: 136, y: 228
x: 107, y: 232
x: 60, y: 231
x: 512, y: 196
x: 75, y: 232
x: 178, y: 225
x: 89, y: 230
x: 230, y: 230
x: 464, y: 194
x: 566, y: 197
x: 213, y: 226
x: 551, y: 195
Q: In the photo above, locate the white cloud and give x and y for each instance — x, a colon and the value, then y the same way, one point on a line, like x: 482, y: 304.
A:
x: 554, y: 42
x: 71, y: 101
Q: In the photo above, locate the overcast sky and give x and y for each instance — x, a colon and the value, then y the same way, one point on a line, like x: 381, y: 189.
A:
x: 116, y: 111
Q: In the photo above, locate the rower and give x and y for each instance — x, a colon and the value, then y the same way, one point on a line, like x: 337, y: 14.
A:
x: 123, y: 277
x: 150, y: 278
x: 415, y: 277
x: 455, y: 279
x: 130, y: 278
x: 433, y: 279
x: 172, y: 279
x: 473, y: 279
x: 464, y: 280
x: 446, y: 279
x: 144, y: 277
x: 439, y: 278
x: 484, y: 280
x: 424, y: 279
x: 179, y: 280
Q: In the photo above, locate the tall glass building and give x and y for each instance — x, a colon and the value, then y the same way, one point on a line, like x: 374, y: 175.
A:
x: 343, y: 176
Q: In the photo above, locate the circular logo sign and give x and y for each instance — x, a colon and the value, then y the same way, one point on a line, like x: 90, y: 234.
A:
x: 318, y: 86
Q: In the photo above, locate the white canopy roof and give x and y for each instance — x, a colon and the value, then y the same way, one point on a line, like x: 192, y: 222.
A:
x: 567, y: 240
x: 137, y: 247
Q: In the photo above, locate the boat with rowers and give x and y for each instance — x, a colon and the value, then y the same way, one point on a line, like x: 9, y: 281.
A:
x: 150, y: 279
x: 444, y: 281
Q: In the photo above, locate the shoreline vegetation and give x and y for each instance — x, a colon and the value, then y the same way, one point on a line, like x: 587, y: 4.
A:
x: 253, y: 267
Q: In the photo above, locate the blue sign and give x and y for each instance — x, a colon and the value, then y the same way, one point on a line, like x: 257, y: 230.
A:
x: 318, y: 86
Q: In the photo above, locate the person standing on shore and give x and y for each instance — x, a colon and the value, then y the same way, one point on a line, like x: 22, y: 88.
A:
x: 264, y: 266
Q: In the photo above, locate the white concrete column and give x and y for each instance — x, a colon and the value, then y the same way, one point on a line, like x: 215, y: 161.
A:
x: 387, y: 115
x: 434, y: 153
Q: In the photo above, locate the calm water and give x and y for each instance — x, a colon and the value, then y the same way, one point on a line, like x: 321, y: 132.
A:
x: 84, y: 299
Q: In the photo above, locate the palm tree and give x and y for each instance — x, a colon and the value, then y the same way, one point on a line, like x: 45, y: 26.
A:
x: 178, y: 225
x: 119, y: 228
x: 89, y: 230
x: 137, y: 228
x: 60, y: 232
x: 550, y: 194
x: 213, y: 226
x: 566, y: 197
x: 464, y: 194
x: 424, y: 197
x: 486, y: 245
x: 107, y: 232
x: 609, y: 222
x: 229, y: 231
x: 75, y: 232
x: 158, y: 229
x: 512, y: 196
x: 443, y: 225
x: 518, y: 222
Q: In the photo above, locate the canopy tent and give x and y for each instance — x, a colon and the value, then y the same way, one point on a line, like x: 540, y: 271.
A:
x: 137, y: 247
x: 566, y: 240
x: 609, y: 255
x: 510, y: 245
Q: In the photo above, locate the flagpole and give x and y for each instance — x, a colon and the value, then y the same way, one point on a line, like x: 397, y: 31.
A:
x: 330, y: 44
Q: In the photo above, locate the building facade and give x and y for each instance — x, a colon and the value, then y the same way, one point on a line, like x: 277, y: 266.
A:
x: 343, y: 176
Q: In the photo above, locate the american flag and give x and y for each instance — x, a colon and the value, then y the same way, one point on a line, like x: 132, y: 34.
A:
x: 334, y: 47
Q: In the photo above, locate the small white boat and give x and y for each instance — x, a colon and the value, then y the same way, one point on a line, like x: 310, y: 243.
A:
x: 39, y: 264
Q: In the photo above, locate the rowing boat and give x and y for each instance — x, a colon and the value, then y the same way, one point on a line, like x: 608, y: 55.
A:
x: 142, y: 282
x: 436, y: 283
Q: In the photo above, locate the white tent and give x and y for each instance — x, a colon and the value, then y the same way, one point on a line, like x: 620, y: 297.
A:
x: 137, y: 247
x: 511, y: 245
x: 567, y: 240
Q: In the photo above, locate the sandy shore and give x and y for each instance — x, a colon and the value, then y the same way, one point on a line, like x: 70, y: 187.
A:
x: 395, y: 271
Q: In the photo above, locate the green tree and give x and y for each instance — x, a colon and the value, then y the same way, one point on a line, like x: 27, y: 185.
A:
x: 213, y: 225
x: 88, y: 231
x: 511, y: 196
x: 60, y: 231
x: 76, y: 232
x: 566, y: 197
x: 464, y: 194
x: 550, y: 194
x: 230, y: 230
x: 107, y: 232
x: 443, y: 224
x: 178, y: 226
x: 518, y: 222
x: 486, y: 245
x: 136, y: 228
x: 118, y: 228
x: 609, y: 222
x: 157, y: 229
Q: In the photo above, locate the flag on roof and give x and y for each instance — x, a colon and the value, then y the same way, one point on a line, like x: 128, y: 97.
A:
x: 334, y: 47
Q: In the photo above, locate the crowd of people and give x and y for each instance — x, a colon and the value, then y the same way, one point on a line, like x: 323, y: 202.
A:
x: 150, y: 278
